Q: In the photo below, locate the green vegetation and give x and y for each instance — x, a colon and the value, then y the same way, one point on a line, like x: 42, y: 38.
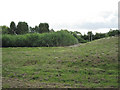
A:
x: 92, y: 64
x: 4, y: 29
x: 23, y: 28
x: 13, y: 28
x: 60, y: 38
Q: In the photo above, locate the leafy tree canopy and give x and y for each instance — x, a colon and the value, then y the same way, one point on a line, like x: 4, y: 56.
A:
x: 22, y: 28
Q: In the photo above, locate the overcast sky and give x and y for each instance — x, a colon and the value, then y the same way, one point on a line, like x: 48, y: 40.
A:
x: 73, y: 15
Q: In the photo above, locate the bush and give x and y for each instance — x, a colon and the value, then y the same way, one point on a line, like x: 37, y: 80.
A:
x: 8, y: 40
x: 20, y: 40
x: 60, y: 38
x: 78, y: 37
x: 81, y: 40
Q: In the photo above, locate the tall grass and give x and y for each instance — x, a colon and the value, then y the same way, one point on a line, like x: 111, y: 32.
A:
x: 60, y: 38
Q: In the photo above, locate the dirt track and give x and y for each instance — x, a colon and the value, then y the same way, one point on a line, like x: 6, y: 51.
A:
x: 76, y: 45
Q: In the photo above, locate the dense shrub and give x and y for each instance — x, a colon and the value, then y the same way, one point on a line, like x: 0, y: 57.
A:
x: 20, y: 40
x: 81, y: 40
x: 113, y: 33
x: 8, y: 40
x: 78, y: 37
x: 60, y: 38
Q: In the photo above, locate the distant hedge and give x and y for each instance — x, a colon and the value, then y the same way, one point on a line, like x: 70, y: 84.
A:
x: 59, y: 38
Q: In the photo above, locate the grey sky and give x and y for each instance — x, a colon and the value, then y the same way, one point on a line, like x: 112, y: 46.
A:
x: 73, y: 15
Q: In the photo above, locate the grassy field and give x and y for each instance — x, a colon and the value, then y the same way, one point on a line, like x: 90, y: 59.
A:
x: 93, y: 64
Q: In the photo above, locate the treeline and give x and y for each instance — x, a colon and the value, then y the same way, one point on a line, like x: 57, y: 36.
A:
x: 90, y: 36
x: 24, y: 36
x: 23, y: 28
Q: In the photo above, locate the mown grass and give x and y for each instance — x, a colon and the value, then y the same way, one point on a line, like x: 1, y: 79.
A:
x: 93, y: 64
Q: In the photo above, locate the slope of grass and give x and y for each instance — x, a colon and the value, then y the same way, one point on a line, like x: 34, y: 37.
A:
x: 93, y: 64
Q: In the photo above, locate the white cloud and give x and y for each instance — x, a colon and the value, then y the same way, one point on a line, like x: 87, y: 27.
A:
x: 59, y: 14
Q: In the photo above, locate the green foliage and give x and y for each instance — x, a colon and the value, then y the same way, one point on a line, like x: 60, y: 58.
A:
x: 32, y: 40
x: 34, y: 29
x: 22, y: 28
x: 8, y: 40
x: 113, y: 32
x: 78, y: 35
x: 13, y: 28
x: 90, y: 35
x: 4, y: 29
x: 77, y: 32
x: 43, y: 27
x: 81, y: 40
x: 52, y: 30
x: 60, y: 38
x: 85, y: 37
x: 20, y: 41
x: 99, y: 35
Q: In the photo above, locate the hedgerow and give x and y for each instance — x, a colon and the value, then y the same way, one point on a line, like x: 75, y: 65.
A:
x: 59, y: 38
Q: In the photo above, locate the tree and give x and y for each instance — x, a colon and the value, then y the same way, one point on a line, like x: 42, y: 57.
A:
x: 52, y: 30
x: 90, y: 35
x: 100, y: 35
x: 4, y: 29
x: 113, y: 32
x: 36, y: 28
x: 22, y: 28
x: 43, y: 27
x: 32, y: 30
x: 78, y: 33
x: 12, y: 28
x: 78, y: 36
x: 85, y: 37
